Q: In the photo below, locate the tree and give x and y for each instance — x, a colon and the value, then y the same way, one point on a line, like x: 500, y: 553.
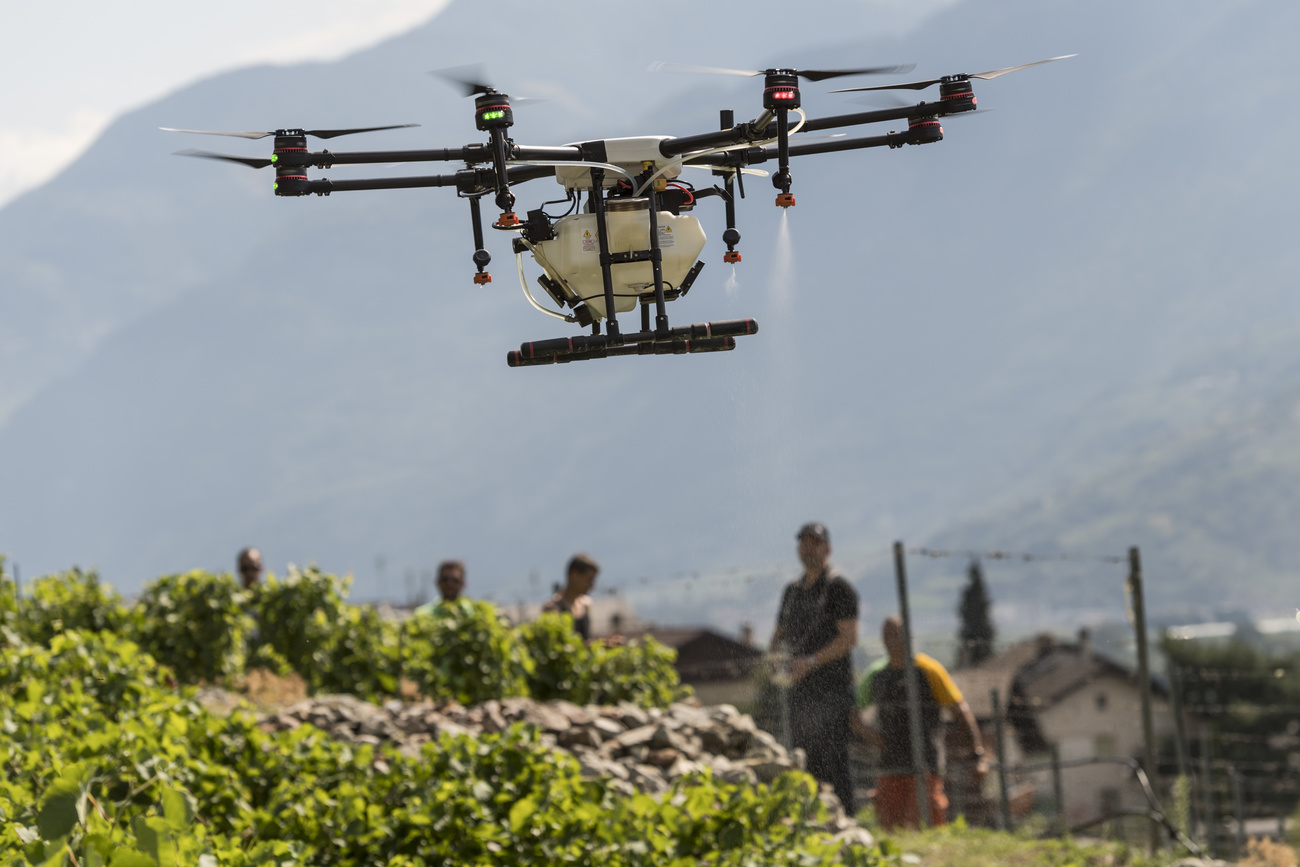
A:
x: 975, y: 637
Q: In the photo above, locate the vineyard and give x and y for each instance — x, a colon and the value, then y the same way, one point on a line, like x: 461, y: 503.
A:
x: 110, y: 759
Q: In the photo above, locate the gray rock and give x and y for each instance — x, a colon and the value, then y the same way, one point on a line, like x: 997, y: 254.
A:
x: 606, y: 728
x: 584, y: 736
x: 648, y: 779
x: 634, y: 749
x: 546, y: 718
x: 636, y: 737
x: 739, y: 776
x: 764, y: 769
x: 578, y: 716
x: 664, y: 737
x: 681, y: 768
x: 595, y: 766
x: 493, y: 720
x: 632, y: 716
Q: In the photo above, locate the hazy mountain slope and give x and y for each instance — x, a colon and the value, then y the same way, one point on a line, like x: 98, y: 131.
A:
x: 1211, y: 502
x: 326, y: 382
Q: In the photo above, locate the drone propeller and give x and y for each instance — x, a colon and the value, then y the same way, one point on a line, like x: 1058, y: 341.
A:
x: 961, y: 76
x: 318, y: 133
x: 473, y: 82
x: 471, y: 79
x: 251, y: 162
x: 810, y: 74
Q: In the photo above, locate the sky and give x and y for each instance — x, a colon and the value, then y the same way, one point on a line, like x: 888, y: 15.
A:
x: 71, y: 66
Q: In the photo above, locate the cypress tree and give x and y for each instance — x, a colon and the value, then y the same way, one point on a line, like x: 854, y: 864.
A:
x: 975, y: 637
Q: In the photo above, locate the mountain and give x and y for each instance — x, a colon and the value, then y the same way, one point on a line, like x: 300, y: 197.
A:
x: 191, y: 365
x: 1210, y: 502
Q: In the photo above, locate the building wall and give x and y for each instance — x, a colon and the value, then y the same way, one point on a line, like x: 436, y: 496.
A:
x: 741, y: 693
x: 1102, y: 718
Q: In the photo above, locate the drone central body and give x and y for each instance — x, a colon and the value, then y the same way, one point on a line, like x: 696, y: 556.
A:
x: 627, y: 239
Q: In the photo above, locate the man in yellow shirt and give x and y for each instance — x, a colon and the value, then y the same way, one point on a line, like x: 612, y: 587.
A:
x: 884, y: 684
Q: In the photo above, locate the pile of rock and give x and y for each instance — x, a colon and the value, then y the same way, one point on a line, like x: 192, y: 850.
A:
x: 637, y: 749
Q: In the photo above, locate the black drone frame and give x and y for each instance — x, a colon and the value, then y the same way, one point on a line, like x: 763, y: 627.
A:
x: 489, y: 170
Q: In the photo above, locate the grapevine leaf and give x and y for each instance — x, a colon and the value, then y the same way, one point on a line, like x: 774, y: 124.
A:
x: 58, y: 814
x: 520, y: 813
x: 177, y: 810
x: 155, y: 838
x: 131, y: 858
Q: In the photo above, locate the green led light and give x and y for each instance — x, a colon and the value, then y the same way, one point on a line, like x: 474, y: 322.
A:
x: 274, y: 158
x: 275, y: 186
x: 493, y: 115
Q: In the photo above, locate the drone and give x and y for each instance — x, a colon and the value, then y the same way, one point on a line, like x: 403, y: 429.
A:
x: 628, y: 239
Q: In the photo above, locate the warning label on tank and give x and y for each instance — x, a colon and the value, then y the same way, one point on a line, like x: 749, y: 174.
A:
x: 590, y: 242
x: 666, y: 238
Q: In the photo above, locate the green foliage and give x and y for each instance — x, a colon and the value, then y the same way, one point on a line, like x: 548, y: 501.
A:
x: 640, y: 671
x: 70, y: 600
x: 195, y: 623
x: 957, y: 845
x: 1180, y: 804
x: 297, y: 616
x: 464, y: 652
x: 362, y: 655
x: 204, y: 627
x: 8, y: 598
x: 564, y: 666
x: 113, y: 769
x: 561, y: 662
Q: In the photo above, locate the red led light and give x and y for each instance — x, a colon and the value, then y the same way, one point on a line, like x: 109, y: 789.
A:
x: 783, y: 94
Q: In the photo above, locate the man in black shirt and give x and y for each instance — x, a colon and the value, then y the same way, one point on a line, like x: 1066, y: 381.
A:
x: 818, y: 626
x: 575, y: 598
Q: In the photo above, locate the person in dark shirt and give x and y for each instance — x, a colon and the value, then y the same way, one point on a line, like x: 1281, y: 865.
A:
x: 818, y: 626
x: 249, y: 564
x: 885, y: 686
x: 575, y: 598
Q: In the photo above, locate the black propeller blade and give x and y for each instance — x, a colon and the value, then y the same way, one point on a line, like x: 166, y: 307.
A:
x: 810, y: 74
x: 471, y: 79
x: 961, y: 76
x: 318, y: 133
x: 251, y: 162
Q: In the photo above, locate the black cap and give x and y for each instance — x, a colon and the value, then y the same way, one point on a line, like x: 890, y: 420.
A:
x: 817, y: 530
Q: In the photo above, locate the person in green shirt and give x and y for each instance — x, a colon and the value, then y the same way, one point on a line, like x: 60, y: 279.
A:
x: 451, y: 581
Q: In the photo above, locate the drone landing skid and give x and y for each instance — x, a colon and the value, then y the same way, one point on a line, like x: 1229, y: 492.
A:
x: 701, y: 337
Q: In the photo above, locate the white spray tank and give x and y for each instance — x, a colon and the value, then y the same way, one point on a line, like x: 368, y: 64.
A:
x: 572, y: 257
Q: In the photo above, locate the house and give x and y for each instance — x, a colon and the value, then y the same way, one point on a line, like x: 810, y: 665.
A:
x: 719, y: 668
x: 1065, y: 694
